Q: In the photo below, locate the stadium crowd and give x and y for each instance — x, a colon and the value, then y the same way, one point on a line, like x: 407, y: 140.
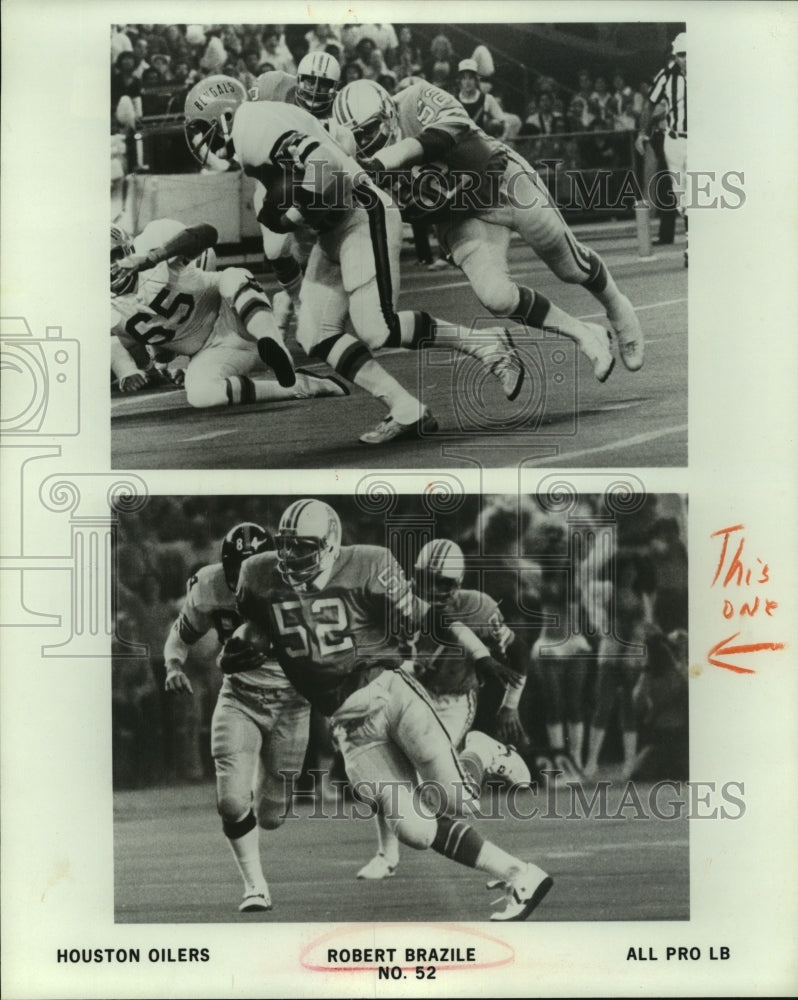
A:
x: 153, y: 66
x: 588, y: 703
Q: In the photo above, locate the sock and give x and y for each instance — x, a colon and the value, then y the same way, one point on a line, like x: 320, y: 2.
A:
x: 387, y: 840
x: 537, y: 311
x: 289, y: 274
x: 498, y: 863
x: 457, y: 840
x: 255, y: 311
x: 629, y: 747
x: 354, y: 362
x: 556, y: 736
x: 244, y: 840
x: 576, y: 736
x: 595, y: 743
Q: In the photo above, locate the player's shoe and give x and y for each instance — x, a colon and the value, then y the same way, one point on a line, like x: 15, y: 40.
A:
x: 274, y: 354
x: 631, y: 343
x: 597, y: 346
x: 388, y: 430
x: 498, y: 759
x: 283, y: 311
x: 522, y: 894
x: 309, y: 385
x: 438, y: 265
x: 378, y: 868
x: 256, y: 900
x: 509, y: 369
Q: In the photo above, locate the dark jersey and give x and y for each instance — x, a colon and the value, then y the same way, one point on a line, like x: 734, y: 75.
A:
x: 332, y: 640
x: 444, y: 669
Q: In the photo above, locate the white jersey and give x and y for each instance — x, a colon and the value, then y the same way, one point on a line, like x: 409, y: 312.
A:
x: 269, y: 135
x: 210, y: 604
x: 176, y: 303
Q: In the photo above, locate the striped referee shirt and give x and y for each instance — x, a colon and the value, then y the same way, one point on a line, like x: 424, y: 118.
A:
x: 670, y: 85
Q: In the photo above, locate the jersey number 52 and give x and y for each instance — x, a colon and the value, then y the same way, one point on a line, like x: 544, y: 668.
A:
x: 328, y: 627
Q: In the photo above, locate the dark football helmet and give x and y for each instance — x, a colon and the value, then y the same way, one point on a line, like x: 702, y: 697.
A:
x: 241, y: 542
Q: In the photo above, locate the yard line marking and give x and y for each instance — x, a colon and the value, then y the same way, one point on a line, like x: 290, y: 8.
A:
x: 207, y: 437
x: 624, y: 443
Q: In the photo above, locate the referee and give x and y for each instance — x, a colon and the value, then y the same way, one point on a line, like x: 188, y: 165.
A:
x: 670, y: 87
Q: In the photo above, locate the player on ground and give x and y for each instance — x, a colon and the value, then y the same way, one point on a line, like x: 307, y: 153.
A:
x: 353, y: 270
x: 333, y: 614
x: 222, y: 321
x: 260, y: 724
x: 500, y: 193
x: 453, y: 683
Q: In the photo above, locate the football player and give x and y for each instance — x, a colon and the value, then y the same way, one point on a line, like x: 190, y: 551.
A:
x: 425, y: 125
x: 333, y: 614
x: 452, y: 682
x: 353, y: 270
x: 313, y: 88
x: 259, y: 731
x: 164, y: 300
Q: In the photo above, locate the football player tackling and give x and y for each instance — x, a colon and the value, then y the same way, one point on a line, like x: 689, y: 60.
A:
x: 334, y: 615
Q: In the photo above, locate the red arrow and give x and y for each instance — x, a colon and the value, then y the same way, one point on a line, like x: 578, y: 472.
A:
x: 721, y: 649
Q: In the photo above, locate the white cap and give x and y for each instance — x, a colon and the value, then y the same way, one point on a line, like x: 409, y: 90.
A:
x: 680, y: 42
x: 468, y: 66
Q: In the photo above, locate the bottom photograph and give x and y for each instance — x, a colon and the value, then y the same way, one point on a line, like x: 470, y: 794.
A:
x: 402, y: 707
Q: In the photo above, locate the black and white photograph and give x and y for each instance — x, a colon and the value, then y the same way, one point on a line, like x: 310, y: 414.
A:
x: 354, y: 702
x: 391, y: 602
x: 388, y: 245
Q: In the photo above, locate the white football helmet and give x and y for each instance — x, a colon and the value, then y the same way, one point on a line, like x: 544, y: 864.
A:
x: 317, y: 79
x: 122, y: 282
x: 308, y: 541
x: 366, y: 109
x: 210, y: 107
x: 439, y: 571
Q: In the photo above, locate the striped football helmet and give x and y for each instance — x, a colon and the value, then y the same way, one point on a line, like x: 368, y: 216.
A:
x: 308, y: 541
x: 366, y: 109
x: 317, y: 78
x: 439, y: 571
x: 241, y: 542
x: 122, y: 281
x: 210, y: 107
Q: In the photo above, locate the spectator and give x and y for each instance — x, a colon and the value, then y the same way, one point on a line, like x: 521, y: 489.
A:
x: 120, y: 42
x: 580, y: 112
x: 369, y: 58
x: 543, y: 121
x: 669, y: 555
x: 350, y: 36
x: 140, y: 48
x: 320, y: 36
x: 482, y: 108
x: 661, y: 702
x: 125, y: 89
x: 484, y: 60
x: 440, y: 66
x: 384, y: 38
x: 601, y: 102
x: 408, y: 55
x: 215, y: 55
x: 512, y: 123
x: 275, y: 51
x: 352, y: 71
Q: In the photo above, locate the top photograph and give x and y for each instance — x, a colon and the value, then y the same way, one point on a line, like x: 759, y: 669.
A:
x: 398, y: 246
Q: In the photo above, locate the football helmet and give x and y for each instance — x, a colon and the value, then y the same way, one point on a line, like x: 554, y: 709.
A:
x: 122, y: 281
x: 210, y: 107
x: 366, y: 109
x: 439, y: 571
x: 308, y: 541
x: 317, y: 78
x: 241, y: 542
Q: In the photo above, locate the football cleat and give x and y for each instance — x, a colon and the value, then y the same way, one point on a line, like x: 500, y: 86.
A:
x: 391, y: 430
x: 631, y: 343
x: 509, y: 368
x: 498, y: 759
x: 283, y: 311
x: 522, y: 894
x: 378, y: 868
x: 274, y: 354
x: 256, y: 900
x: 310, y: 385
x: 597, y: 347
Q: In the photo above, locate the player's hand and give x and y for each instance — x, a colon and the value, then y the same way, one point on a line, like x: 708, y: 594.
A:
x: 510, y: 730
x: 640, y: 143
x: 133, y: 383
x: 176, y: 680
x: 172, y: 376
x: 488, y: 667
x: 239, y: 655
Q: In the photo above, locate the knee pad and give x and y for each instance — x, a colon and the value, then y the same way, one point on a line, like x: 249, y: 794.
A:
x: 234, y: 810
x: 202, y: 394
